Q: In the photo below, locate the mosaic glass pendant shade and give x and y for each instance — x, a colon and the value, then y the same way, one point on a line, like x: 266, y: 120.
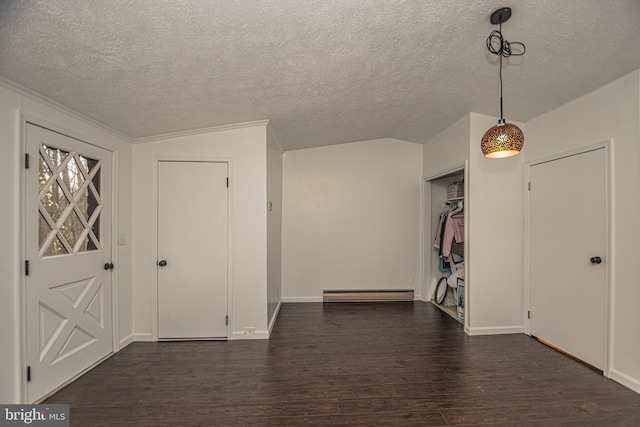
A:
x: 502, y: 140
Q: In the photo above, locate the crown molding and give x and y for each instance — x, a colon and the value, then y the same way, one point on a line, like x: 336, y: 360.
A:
x: 21, y: 90
x: 200, y: 131
x: 35, y: 96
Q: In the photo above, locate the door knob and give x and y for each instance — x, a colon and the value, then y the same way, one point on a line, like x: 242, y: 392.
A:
x: 109, y: 266
x: 162, y: 263
x: 596, y: 260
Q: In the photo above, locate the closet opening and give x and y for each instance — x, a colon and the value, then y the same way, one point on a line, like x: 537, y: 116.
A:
x: 445, y: 242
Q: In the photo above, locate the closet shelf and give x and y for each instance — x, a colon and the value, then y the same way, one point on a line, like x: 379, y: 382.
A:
x: 455, y: 199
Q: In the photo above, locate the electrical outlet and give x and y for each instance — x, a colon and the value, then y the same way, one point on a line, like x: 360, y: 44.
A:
x: 249, y: 330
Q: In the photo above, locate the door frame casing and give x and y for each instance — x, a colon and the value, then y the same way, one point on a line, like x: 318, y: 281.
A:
x: 427, y: 234
x: 154, y: 235
x: 24, y: 118
x: 608, y: 147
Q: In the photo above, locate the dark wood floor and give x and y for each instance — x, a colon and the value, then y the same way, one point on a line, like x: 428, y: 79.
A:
x: 380, y: 364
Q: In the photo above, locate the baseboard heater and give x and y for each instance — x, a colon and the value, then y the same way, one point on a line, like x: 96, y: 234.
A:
x: 367, y: 295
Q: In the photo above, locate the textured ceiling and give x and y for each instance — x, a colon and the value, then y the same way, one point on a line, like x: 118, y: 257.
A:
x: 322, y: 71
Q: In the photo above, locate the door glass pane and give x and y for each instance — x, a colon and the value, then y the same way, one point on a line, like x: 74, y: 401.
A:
x: 45, y: 172
x: 56, y: 248
x: 43, y: 232
x: 87, y: 163
x: 92, y: 204
x: 72, y: 228
x: 84, y: 247
x: 55, y: 155
x: 54, y: 201
x: 95, y: 232
x: 72, y: 176
x: 96, y: 181
x: 71, y: 214
x: 88, y: 244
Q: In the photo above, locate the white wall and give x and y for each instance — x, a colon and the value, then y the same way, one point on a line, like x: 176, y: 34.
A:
x: 611, y: 112
x: 351, y: 218
x: 444, y: 153
x: 274, y: 225
x: 245, y: 150
x: 13, y: 102
x: 496, y: 236
x: 447, y: 150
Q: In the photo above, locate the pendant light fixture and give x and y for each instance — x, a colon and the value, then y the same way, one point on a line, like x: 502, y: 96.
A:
x: 503, y: 139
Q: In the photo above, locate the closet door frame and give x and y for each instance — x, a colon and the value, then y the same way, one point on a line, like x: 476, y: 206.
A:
x: 428, y: 231
x: 608, y: 147
x: 154, y: 237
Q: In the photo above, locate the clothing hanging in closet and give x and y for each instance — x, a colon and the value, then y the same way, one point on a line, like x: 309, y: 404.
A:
x: 450, y: 233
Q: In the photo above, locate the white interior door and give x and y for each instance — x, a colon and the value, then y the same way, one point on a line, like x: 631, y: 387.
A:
x: 192, y: 250
x: 68, y: 243
x: 568, y: 232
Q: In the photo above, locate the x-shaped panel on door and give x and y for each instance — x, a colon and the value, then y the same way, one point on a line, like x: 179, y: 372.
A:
x: 71, y: 318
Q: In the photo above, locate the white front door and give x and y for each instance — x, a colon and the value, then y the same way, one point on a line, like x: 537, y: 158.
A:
x: 192, y: 250
x: 67, y: 244
x: 568, y: 244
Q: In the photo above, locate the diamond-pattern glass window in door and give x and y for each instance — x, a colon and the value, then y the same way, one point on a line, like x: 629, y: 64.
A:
x: 70, y: 202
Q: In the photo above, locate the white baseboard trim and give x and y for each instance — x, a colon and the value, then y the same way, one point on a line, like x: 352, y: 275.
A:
x: 625, y: 380
x: 500, y: 330
x: 275, y: 316
x: 416, y: 297
x: 259, y: 335
x: 125, y: 342
x: 72, y: 379
x: 143, y: 337
x: 301, y: 299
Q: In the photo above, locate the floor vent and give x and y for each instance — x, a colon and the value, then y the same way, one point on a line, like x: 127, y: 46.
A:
x: 367, y: 295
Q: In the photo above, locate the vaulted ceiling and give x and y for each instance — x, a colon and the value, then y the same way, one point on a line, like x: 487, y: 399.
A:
x: 322, y: 71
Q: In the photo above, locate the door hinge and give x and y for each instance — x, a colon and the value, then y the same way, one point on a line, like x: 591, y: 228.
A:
x: 528, y: 314
x: 28, y: 373
x: 26, y: 161
x: 227, y: 320
x: 227, y: 182
x: 26, y: 268
x: 529, y: 186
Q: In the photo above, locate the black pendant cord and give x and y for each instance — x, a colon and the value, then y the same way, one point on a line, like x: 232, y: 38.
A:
x: 501, y: 56
x: 497, y: 45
